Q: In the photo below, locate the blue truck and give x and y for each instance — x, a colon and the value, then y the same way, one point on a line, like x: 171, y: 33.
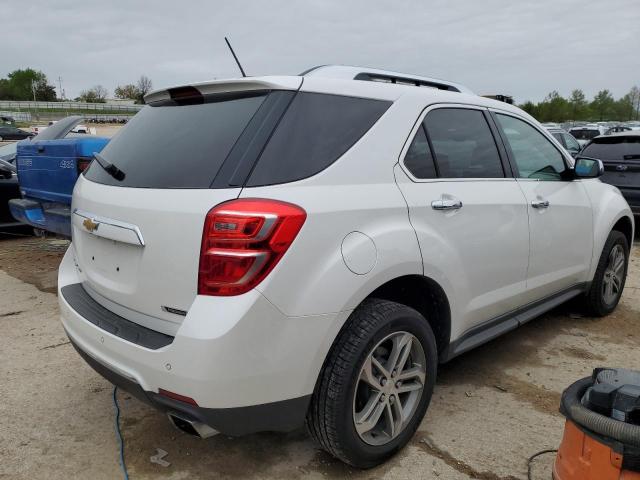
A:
x: 48, y: 168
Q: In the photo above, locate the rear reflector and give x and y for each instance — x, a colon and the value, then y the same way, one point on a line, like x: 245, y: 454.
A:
x: 242, y: 242
x: 176, y: 396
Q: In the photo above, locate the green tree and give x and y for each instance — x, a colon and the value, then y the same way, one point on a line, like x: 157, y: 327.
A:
x: 634, y: 99
x: 578, y: 105
x: 127, y: 92
x: 554, y: 108
x: 603, y: 105
x: 97, y: 94
x: 530, y: 107
x: 21, y: 85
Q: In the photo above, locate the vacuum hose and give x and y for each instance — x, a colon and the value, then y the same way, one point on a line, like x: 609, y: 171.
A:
x: 573, y: 409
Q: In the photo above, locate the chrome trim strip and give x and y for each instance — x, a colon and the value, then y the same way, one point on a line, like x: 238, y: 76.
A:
x: 111, y: 222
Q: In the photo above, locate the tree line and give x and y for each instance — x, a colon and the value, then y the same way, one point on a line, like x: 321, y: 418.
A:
x: 29, y: 84
x: 603, y: 107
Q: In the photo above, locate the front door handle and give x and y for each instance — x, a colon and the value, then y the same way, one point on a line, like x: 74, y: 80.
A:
x: 446, y: 204
x: 540, y: 204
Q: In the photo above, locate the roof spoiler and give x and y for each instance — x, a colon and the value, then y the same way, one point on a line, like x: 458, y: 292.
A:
x: 224, y: 86
x: 383, y: 76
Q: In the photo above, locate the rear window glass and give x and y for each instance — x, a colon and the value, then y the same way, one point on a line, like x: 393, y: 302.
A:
x: 584, y: 134
x: 316, y: 130
x: 614, y: 148
x: 177, y: 146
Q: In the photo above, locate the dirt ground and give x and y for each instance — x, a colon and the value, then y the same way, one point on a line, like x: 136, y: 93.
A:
x: 492, y: 408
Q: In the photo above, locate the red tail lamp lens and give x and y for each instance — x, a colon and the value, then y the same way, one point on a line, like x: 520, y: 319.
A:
x: 243, y: 240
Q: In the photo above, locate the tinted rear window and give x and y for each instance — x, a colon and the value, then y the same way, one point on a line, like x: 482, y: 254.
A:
x: 316, y: 130
x: 584, y: 134
x: 177, y: 146
x: 614, y: 148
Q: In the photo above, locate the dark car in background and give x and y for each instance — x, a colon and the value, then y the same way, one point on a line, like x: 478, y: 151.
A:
x: 7, y: 132
x: 620, y: 153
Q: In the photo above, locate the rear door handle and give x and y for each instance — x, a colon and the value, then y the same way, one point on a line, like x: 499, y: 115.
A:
x: 540, y: 204
x: 446, y: 204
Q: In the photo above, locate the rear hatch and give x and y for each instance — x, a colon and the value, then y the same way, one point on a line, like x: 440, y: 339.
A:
x: 621, y: 157
x: 137, y: 240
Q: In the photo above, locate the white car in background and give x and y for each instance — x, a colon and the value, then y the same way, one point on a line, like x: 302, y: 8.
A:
x: 332, y: 239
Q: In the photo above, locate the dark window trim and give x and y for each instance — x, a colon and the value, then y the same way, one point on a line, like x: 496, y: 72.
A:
x: 245, y: 153
x: 512, y: 162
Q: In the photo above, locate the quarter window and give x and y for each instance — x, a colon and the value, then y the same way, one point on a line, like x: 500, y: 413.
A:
x: 463, y: 144
x: 418, y: 159
x: 534, y: 154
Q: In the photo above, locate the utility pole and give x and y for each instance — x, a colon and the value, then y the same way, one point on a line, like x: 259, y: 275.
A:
x: 35, y: 105
x: 61, y: 91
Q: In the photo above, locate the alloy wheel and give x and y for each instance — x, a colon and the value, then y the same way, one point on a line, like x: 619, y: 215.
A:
x: 389, y: 388
x: 613, y: 275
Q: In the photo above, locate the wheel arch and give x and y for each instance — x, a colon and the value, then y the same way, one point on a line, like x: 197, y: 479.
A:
x: 427, y: 297
x: 625, y: 226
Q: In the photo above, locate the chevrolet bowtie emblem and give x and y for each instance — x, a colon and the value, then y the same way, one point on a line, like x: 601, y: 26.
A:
x: 90, y: 225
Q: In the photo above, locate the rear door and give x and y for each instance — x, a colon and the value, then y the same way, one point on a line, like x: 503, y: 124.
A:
x: 560, y: 215
x: 469, y: 214
x: 137, y: 240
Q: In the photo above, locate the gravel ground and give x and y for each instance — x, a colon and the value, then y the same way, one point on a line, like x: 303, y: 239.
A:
x: 492, y: 407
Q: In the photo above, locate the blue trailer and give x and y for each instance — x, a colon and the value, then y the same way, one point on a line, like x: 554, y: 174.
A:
x: 47, y: 173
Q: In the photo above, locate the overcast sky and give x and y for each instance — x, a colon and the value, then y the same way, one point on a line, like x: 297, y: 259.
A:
x: 525, y: 49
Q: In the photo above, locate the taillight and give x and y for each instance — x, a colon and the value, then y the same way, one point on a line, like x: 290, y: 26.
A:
x: 242, y: 241
x: 83, y: 163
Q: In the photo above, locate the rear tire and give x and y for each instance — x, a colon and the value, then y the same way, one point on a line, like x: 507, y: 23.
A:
x: 383, y: 342
x: 611, y: 274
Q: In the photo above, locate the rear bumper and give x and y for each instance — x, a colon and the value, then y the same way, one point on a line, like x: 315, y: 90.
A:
x: 632, y: 196
x: 248, y: 367
x: 53, y: 217
x: 281, y: 416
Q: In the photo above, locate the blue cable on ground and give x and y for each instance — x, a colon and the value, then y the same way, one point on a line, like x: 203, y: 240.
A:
x: 119, y: 435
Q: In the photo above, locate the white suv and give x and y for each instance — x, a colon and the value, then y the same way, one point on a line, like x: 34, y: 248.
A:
x: 321, y: 244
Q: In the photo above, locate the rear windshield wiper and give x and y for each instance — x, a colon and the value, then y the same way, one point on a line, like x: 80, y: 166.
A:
x: 109, y: 167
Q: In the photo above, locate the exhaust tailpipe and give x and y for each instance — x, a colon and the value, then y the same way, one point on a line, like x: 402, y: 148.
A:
x: 191, y: 427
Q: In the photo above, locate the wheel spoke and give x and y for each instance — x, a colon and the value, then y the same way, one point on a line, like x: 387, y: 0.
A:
x: 379, y: 366
x: 415, y: 372
x: 618, y: 266
x: 399, y: 352
x: 393, y: 420
x: 616, y: 283
x: 409, y: 387
x: 368, y: 418
x: 367, y: 375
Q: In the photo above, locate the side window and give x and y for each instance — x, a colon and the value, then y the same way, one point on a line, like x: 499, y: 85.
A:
x: 558, y: 137
x: 463, y: 145
x: 571, y: 143
x: 535, y: 156
x: 418, y: 159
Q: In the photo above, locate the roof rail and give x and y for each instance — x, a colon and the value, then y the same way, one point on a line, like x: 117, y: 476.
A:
x: 383, y: 76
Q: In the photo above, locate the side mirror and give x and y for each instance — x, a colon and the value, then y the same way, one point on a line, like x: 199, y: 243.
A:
x: 587, y: 167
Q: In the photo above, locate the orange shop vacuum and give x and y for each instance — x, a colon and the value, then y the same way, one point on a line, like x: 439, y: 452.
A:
x: 602, y: 432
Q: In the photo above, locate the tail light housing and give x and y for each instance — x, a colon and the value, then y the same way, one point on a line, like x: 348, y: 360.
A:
x: 243, y: 240
x: 83, y: 163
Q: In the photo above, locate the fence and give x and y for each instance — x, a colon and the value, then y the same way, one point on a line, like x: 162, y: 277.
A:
x: 117, y: 108
x: 17, y: 116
